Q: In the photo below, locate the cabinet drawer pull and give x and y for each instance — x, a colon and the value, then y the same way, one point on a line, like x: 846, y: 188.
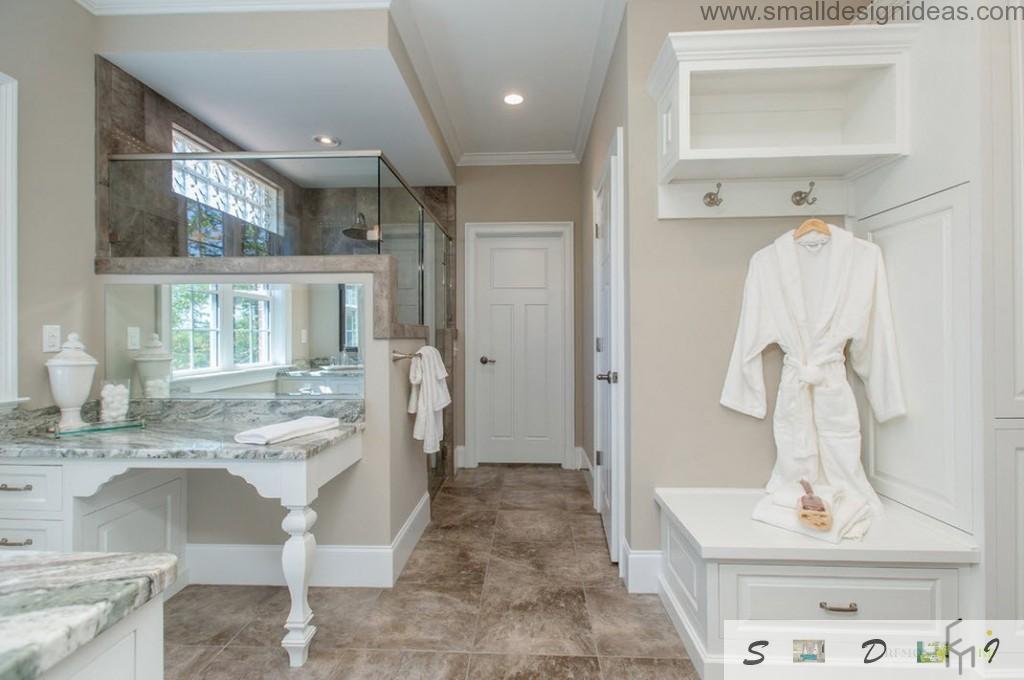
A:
x: 5, y: 487
x: 848, y: 609
x: 4, y: 543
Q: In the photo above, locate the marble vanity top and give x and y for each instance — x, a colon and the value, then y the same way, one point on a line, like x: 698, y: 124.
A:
x: 53, y: 603
x: 207, y: 440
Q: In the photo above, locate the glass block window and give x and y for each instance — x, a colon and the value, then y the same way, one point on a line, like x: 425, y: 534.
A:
x: 205, y: 230
x: 223, y: 185
x: 255, y: 241
x: 251, y: 324
x: 195, y: 327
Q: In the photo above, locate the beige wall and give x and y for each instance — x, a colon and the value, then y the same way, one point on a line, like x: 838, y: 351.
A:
x: 514, y: 193
x: 47, y: 46
x: 685, y: 288
x: 348, y: 29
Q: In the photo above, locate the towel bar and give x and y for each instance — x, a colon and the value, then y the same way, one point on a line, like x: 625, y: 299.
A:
x: 398, y: 356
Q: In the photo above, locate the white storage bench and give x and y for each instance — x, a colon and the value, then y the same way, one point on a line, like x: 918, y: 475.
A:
x: 719, y: 564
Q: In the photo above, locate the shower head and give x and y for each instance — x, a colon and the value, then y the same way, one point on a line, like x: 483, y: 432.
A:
x: 358, y: 231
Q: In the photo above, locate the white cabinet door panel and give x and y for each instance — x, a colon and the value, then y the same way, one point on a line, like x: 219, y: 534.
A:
x: 924, y: 459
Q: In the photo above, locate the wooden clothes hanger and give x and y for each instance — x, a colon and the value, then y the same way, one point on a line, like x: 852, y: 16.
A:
x: 813, y: 224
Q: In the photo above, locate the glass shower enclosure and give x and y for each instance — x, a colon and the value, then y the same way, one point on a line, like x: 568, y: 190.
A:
x: 258, y: 204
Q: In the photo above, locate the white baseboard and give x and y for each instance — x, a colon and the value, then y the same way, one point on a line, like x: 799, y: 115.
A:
x: 642, y: 569
x: 463, y: 459
x: 588, y: 475
x: 409, y: 535
x: 340, y: 566
x: 573, y: 459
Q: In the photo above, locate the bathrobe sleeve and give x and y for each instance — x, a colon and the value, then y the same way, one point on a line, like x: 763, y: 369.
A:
x: 873, y: 352
x: 744, y: 381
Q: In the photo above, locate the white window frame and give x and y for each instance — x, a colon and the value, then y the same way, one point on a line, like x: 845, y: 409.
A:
x: 227, y: 375
x: 9, y: 243
x: 181, y: 166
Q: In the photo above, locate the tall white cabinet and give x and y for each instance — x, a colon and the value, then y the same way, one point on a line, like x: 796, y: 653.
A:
x: 1006, y: 438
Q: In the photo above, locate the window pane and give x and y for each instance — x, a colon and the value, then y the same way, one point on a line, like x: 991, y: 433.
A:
x: 181, y: 350
x: 203, y: 343
x: 243, y: 347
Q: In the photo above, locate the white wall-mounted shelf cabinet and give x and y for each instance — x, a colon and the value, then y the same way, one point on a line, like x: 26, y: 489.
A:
x: 820, y: 103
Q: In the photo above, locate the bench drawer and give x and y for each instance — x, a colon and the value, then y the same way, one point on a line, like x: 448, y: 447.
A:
x: 31, y: 534
x: 758, y: 592
x: 34, y: 488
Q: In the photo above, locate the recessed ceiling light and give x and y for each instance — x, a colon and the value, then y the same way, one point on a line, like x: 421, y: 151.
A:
x: 326, y: 140
x: 513, y: 99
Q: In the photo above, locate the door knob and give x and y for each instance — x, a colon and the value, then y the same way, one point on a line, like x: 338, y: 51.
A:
x: 484, y: 360
x: 611, y: 377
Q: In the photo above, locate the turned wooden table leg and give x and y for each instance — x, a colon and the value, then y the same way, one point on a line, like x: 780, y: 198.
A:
x: 297, y: 560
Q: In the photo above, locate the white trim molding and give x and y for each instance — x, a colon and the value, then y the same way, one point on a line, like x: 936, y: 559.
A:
x: 611, y: 21
x: 336, y: 566
x: 642, y: 569
x: 8, y: 243
x: 128, y: 7
x: 464, y: 458
x: 520, y: 158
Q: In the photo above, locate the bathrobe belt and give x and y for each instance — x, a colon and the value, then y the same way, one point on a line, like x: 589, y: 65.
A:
x: 809, y: 375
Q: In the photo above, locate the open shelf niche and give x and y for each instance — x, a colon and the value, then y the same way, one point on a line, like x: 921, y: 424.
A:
x: 777, y: 108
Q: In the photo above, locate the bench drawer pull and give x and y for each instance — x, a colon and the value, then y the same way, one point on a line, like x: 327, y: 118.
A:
x: 4, y: 543
x: 848, y: 609
x: 5, y: 487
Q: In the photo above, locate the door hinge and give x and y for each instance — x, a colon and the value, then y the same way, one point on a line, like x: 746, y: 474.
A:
x: 597, y: 230
x: 597, y: 457
x: 598, y: 345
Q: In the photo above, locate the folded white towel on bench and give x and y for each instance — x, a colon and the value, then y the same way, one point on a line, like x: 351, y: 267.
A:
x: 279, y: 432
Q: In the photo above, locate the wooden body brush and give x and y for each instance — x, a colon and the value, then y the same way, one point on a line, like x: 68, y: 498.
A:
x: 812, y: 510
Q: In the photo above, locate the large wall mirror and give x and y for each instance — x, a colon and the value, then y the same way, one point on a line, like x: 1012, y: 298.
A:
x: 259, y: 340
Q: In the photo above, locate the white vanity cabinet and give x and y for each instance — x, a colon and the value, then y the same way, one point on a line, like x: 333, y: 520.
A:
x: 719, y: 565
x: 140, y: 511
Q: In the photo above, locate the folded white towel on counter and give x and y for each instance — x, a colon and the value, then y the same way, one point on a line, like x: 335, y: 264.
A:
x: 428, y: 397
x: 279, y: 432
x: 851, y: 514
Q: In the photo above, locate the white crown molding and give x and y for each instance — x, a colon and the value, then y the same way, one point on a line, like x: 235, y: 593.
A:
x: 611, y: 21
x: 520, y: 158
x: 126, y: 7
x: 408, y: 28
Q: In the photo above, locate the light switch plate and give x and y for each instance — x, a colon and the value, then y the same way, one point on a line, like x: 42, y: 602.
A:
x: 51, y: 338
x: 304, y: 336
x: 134, y: 339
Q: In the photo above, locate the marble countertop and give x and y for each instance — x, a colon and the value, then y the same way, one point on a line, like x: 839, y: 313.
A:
x: 177, y: 439
x: 53, y: 603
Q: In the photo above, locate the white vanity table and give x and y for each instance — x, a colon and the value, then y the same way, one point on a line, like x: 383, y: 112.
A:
x: 50, y: 487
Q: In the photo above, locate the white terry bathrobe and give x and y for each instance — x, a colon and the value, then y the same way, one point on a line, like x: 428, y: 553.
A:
x: 812, y: 297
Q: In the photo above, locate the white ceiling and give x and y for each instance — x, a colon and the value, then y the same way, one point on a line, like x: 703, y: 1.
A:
x: 467, y: 53
x: 470, y: 53
x: 277, y: 101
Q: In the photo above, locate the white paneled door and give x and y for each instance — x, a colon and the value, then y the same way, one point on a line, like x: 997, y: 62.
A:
x: 519, y: 343
x: 609, y: 346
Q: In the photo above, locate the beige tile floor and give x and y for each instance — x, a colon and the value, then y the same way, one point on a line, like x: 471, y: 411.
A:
x: 510, y: 580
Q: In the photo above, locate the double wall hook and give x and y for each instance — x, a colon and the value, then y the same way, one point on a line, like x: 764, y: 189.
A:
x: 713, y: 199
x: 801, y: 197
